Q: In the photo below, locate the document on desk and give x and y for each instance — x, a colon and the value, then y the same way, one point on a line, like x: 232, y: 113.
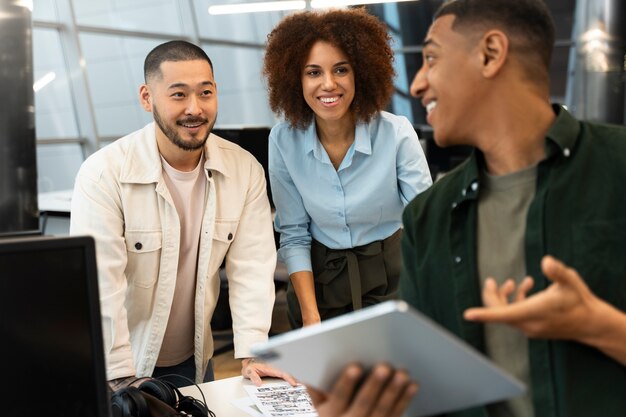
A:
x: 279, y: 399
x: 247, y: 405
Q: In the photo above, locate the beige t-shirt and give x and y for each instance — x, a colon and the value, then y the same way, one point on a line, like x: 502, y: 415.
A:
x: 188, y: 193
x: 502, y: 211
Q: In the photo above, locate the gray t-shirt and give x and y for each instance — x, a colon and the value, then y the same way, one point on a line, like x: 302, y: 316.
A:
x: 502, y: 210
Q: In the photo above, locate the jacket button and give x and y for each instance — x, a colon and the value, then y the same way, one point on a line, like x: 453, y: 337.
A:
x: 138, y: 246
x: 230, y: 236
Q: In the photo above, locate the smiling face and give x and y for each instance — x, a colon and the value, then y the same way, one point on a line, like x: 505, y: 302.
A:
x: 183, y: 101
x: 448, y: 83
x: 328, y: 83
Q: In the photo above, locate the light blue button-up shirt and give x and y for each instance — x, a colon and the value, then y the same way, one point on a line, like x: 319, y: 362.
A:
x: 357, y: 204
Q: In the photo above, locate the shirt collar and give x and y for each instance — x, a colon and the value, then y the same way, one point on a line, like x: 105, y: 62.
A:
x: 311, y: 143
x: 563, y: 134
x: 362, y: 140
x: 214, y: 156
x: 470, y: 176
x: 143, y: 160
x: 142, y: 164
x: 560, y: 140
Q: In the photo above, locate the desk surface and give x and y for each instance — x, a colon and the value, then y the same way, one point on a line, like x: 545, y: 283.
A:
x: 55, y: 201
x: 220, y: 393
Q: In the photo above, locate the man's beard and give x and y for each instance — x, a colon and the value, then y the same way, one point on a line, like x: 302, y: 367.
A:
x: 174, y: 137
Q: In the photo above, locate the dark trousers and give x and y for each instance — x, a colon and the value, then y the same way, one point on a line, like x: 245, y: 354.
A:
x: 350, y: 279
x: 187, y: 369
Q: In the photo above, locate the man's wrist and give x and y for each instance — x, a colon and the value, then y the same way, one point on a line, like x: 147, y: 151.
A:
x: 601, y: 325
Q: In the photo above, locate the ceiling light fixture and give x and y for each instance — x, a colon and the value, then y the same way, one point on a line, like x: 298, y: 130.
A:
x: 269, y: 6
x: 44, y: 81
x: 25, y: 3
x: 324, y: 4
x: 273, y: 6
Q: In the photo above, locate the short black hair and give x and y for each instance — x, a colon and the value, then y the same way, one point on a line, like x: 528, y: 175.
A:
x: 527, y: 23
x: 173, y: 51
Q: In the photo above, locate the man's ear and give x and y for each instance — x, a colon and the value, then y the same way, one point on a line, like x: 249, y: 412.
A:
x: 494, y: 52
x: 145, y: 98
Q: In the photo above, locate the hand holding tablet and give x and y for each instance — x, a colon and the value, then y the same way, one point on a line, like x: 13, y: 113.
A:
x: 383, y: 392
x: 450, y: 373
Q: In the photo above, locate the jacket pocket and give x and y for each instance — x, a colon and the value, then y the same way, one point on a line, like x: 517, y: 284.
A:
x: 143, y: 249
x: 224, y: 233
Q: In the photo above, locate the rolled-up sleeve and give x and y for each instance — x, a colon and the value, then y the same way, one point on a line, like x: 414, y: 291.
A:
x: 411, y: 166
x: 292, y: 220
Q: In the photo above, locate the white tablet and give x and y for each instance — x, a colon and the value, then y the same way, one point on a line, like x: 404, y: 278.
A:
x: 452, y: 375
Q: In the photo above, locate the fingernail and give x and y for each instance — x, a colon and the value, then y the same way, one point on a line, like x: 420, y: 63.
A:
x: 354, y: 371
x: 400, y: 378
x: 382, y: 372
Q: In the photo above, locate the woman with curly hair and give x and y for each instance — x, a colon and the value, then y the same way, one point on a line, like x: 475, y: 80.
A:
x: 341, y: 169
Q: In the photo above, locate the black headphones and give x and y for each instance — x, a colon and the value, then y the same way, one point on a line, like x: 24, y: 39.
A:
x: 140, y: 402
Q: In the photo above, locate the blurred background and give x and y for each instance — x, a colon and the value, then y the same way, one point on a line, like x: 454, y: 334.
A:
x: 70, y: 72
x: 88, y: 60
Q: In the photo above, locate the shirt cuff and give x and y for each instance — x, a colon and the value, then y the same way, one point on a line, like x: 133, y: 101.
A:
x: 243, y: 344
x: 119, y: 365
x: 296, y: 259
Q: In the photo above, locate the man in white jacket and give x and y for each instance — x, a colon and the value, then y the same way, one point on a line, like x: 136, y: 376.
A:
x: 167, y: 205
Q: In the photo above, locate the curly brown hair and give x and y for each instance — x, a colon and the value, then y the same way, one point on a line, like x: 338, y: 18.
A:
x: 359, y: 35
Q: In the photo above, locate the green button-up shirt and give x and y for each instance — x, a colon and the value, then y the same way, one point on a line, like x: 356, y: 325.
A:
x: 578, y: 215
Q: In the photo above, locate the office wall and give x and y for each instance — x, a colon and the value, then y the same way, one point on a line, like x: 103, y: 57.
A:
x: 89, y: 56
x: 91, y: 52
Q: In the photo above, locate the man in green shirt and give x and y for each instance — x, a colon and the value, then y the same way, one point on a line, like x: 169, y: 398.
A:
x: 539, y: 182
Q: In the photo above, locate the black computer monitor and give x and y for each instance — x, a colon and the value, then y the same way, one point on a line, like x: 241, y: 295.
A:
x: 52, y: 350
x: 254, y: 140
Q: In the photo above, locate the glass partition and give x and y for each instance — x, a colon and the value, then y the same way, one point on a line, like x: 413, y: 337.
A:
x: 45, y: 11
x: 54, y: 110
x: 57, y: 166
x: 114, y: 72
x: 158, y: 16
x: 240, y: 89
x: 243, y: 27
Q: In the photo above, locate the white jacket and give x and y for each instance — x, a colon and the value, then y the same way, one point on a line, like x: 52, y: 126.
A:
x: 120, y: 198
